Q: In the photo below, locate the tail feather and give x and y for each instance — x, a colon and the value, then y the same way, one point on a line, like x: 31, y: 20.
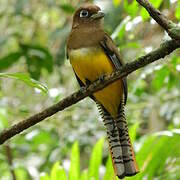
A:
x: 130, y: 164
x: 120, y: 147
x: 114, y: 142
x: 114, y: 145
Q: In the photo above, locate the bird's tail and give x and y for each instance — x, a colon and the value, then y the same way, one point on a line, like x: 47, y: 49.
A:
x: 122, y: 154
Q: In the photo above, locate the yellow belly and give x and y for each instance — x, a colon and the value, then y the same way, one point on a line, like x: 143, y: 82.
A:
x: 90, y: 63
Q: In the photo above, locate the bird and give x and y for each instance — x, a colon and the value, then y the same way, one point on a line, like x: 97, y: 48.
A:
x: 93, y: 54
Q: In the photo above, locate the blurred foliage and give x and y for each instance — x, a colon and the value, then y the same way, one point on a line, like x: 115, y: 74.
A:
x: 155, y: 159
x: 32, y: 44
x: 26, y: 79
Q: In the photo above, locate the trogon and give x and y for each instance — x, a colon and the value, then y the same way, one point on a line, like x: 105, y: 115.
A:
x: 92, y: 54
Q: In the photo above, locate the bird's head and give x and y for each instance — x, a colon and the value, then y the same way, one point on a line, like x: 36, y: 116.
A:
x: 88, y: 15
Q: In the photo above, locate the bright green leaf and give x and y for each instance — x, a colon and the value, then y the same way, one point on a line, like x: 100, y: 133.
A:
x: 21, y: 173
x: 109, y: 169
x: 144, y: 150
x: 133, y: 131
x: 131, y: 8
x: 74, y: 171
x: 44, y: 176
x: 38, y: 137
x: 3, y: 119
x: 154, y: 153
x: 57, y: 172
x: 177, y: 13
x: 144, y: 14
x: 131, y: 45
x: 116, y: 2
x: 165, y: 146
x: 84, y: 175
x: 156, y: 3
x: 95, y: 161
x: 26, y: 79
x: 159, y: 77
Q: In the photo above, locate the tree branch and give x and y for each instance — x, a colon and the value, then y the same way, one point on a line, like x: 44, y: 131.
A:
x: 164, y: 49
x: 171, y: 28
x: 10, y: 160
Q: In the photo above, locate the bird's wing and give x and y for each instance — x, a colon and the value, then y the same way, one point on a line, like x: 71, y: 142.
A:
x: 123, y: 159
x: 112, y: 52
x: 81, y: 84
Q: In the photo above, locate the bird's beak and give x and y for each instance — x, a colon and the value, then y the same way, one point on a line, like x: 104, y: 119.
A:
x: 98, y: 15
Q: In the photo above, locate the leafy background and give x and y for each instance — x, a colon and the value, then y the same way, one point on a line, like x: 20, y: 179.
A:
x: 34, y: 74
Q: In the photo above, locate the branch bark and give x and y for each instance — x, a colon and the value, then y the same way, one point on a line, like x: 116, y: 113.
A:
x: 171, y: 28
x: 165, y: 49
x: 10, y: 160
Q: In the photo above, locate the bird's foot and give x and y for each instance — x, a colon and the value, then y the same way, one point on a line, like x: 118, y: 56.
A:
x: 102, y: 77
x: 83, y: 88
x: 88, y: 82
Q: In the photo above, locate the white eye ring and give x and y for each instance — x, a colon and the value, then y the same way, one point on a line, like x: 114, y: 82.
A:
x: 84, y: 13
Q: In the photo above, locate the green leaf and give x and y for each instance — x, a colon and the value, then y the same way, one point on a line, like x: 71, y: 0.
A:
x: 168, y: 145
x: 131, y: 8
x: 156, y: 3
x: 58, y: 173
x: 131, y: 45
x: 38, y: 137
x: 144, y: 14
x: 144, y: 150
x: 120, y: 29
x: 68, y: 8
x: 177, y: 13
x: 74, y: 172
x: 44, y: 176
x: 26, y: 79
x: 165, y: 147
x: 9, y: 60
x: 172, y: 82
x: 21, y: 173
x: 159, y: 77
x: 133, y: 131
x: 116, y: 2
x: 154, y: 153
x: 84, y: 175
x: 142, y: 156
x: 109, y: 174
x: 95, y: 161
x: 3, y: 119
x: 37, y: 58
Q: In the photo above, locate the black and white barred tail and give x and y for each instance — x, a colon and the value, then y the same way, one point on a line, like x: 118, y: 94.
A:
x: 121, y: 150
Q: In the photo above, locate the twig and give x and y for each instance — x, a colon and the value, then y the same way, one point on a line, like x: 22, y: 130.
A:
x: 165, y: 49
x: 171, y: 28
x: 9, y: 159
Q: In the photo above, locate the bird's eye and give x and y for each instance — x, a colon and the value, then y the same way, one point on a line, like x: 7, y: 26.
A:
x: 84, y: 13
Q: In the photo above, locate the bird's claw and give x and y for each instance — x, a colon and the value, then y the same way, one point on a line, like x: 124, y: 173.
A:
x: 82, y: 88
x: 101, y: 77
